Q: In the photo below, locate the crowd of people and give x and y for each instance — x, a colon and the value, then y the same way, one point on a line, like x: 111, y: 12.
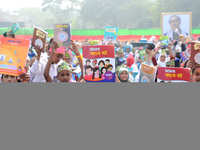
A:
x: 54, y: 66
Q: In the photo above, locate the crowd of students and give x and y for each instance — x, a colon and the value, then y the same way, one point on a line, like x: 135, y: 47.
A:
x: 52, y: 65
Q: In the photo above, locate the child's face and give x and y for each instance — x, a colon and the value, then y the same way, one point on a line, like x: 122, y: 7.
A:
x: 162, y: 58
x: 96, y: 74
x: 64, y: 76
x: 107, y: 62
x: 68, y: 60
x: 127, y: 50
x: 57, y: 57
x: 121, y: 54
x: 9, y: 78
x: 124, y: 75
x: 110, y: 69
x: 88, y: 63
x: 196, y: 75
x: 88, y: 71
x: 101, y: 64
x: 104, y: 71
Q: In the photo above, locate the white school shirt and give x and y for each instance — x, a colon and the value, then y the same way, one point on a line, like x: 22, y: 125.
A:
x: 38, y: 67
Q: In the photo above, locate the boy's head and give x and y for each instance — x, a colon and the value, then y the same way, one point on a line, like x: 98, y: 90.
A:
x: 87, y: 62
x: 8, y: 78
x: 107, y: 61
x: 196, y: 74
x: 57, y: 57
x: 88, y: 70
x: 64, y: 72
x: 110, y: 68
x: 67, y: 58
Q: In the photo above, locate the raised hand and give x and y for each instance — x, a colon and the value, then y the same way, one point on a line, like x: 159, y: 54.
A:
x: 74, y: 48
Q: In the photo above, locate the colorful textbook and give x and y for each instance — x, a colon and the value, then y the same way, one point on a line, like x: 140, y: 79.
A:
x: 15, y: 27
x: 147, y: 73
x: 62, y: 34
x: 13, y: 54
x: 172, y: 74
x: 39, y: 38
x: 99, y: 63
x: 164, y: 41
x: 110, y: 34
x: 195, y: 52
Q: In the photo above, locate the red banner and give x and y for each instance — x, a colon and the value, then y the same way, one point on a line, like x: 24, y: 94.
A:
x: 95, y: 52
x: 171, y: 73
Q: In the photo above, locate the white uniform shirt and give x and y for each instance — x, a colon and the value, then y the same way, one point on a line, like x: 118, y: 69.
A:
x: 38, y: 67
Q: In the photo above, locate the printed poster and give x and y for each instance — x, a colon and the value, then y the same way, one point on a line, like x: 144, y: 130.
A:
x: 62, y: 34
x: 195, y: 52
x: 173, y: 74
x: 13, y: 54
x: 111, y: 34
x: 147, y: 73
x: 99, y: 63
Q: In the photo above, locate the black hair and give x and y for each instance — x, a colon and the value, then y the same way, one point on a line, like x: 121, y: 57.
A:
x: 102, y: 69
x: 109, y: 66
x: 107, y: 60
x: 175, y: 16
x: 94, y: 70
x: 102, y: 62
x: 3, y: 75
x: 88, y: 67
x: 193, y: 70
x: 11, y: 33
x: 88, y: 61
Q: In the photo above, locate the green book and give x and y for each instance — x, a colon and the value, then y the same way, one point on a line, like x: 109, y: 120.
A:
x: 15, y: 27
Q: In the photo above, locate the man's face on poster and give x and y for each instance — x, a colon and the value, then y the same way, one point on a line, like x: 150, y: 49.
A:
x: 174, y: 22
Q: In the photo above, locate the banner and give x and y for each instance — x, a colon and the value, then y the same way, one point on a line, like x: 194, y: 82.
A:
x: 110, y: 34
x: 62, y: 34
x: 147, y: 73
x: 173, y: 74
x: 13, y: 55
x: 99, y: 63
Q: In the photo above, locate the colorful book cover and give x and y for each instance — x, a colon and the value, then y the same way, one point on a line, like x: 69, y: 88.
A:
x: 195, y: 52
x: 15, y: 27
x: 110, y: 34
x: 143, y: 55
x: 147, y: 73
x: 62, y: 34
x: 173, y: 74
x: 99, y: 63
x: 13, y: 55
x: 39, y: 38
x: 164, y: 41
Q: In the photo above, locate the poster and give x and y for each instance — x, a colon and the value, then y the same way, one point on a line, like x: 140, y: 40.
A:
x: 39, y: 38
x: 110, y: 34
x: 175, y: 24
x: 13, y: 54
x: 173, y: 74
x: 195, y: 52
x: 62, y: 34
x: 99, y: 63
x: 147, y: 73
x: 15, y: 28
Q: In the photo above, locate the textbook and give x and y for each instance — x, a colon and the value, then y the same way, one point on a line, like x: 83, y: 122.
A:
x: 173, y: 74
x: 110, y: 34
x: 39, y: 38
x: 15, y: 27
x: 143, y: 54
x: 147, y: 73
x: 99, y: 63
x: 62, y: 34
x: 13, y: 55
x: 164, y: 41
x: 195, y: 52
